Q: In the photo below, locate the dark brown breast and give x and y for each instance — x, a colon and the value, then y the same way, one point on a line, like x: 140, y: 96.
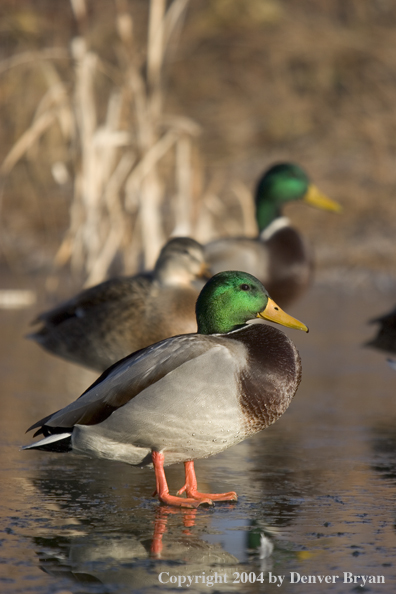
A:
x: 271, y: 378
x: 291, y: 266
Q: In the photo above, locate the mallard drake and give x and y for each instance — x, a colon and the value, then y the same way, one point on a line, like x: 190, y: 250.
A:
x: 189, y: 396
x: 385, y: 340
x: 105, y: 323
x: 279, y: 257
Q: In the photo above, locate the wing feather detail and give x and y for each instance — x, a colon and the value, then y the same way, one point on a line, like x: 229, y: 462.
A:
x: 126, y: 379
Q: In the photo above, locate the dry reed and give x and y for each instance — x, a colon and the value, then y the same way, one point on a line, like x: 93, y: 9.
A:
x: 122, y: 165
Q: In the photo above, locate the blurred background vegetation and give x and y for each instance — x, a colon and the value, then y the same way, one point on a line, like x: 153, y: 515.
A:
x: 126, y: 121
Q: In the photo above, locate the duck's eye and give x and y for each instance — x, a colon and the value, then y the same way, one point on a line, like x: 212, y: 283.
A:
x: 245, y: 287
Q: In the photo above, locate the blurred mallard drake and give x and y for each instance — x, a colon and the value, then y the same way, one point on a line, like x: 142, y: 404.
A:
x: 385, y: 339
x: 103, y: 324
x: 279, y: 257
x: 189, y: 396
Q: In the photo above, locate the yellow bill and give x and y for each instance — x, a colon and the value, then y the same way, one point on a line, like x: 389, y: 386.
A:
x: 274, y: 313
x: 314, y: 197
x: 205, y: 272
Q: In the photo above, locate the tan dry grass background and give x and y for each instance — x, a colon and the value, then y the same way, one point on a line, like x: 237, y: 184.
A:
x: 263, y: 81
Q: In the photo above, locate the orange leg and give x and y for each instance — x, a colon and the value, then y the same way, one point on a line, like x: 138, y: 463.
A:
x: 163, y: 489
x: 190, y: 487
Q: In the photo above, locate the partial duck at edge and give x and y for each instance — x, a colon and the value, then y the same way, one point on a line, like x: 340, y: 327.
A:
x: 385, y: 339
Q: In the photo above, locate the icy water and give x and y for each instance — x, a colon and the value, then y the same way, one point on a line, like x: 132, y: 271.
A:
x: 316, y: 490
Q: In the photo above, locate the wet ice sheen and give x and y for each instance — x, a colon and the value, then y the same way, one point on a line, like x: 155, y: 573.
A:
x: 318, y: 486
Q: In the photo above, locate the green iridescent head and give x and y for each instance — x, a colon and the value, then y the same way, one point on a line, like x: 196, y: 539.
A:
x: 283, y: 183
x: 230, y: 299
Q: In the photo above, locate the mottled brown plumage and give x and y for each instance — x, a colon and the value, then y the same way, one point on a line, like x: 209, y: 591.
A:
x: 107, y: 322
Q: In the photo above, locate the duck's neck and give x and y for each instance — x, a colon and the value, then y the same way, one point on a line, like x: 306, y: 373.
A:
x: 167, y: 275
x: 277, y: 225
x: 266, y: 212
x: 216, y: 322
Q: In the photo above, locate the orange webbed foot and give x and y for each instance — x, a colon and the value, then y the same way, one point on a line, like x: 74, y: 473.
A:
x: 194, y: 494
x: 190, y: 487
x: 190, y: 502
x: 162, y: 489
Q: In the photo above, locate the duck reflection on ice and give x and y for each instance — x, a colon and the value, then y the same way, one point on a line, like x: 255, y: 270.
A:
x: 103, y: 531
x: 124, y: 559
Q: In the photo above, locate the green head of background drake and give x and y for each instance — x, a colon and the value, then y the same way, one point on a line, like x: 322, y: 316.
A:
x: 230, y: 299
x: 283, y: 183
